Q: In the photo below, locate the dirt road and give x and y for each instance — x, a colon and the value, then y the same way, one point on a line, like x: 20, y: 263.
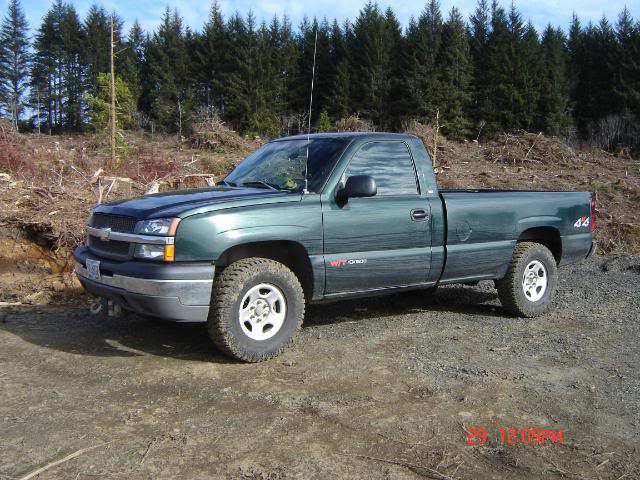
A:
x: 388, y: 388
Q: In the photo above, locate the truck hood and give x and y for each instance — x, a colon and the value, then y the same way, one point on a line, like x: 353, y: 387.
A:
x: 177, y: 203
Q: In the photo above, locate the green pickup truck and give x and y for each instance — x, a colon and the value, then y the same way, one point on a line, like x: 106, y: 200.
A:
x: 309, y: 219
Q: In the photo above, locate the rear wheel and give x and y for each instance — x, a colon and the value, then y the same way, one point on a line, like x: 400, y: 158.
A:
x: 529, y: 286
x: 257, y: 308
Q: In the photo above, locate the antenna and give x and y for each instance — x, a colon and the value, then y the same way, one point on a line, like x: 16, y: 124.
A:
x: 313, y: 76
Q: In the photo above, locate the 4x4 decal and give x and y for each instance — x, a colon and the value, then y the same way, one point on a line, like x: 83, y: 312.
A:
x: 582, y: 222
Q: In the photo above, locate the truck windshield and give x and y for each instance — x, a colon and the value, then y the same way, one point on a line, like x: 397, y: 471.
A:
x: 280, y: 165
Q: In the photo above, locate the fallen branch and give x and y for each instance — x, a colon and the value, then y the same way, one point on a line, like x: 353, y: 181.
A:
x: 147, y: 451
x: 62, y: 460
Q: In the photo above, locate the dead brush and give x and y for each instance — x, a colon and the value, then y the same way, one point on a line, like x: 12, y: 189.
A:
x: 354, y: 123
x: 12, y: 160
x: 212, y: 134
x: 525, y: 147
x: 447, y: 152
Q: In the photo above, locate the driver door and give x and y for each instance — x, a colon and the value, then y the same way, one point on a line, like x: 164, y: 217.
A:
x: 381, y: 241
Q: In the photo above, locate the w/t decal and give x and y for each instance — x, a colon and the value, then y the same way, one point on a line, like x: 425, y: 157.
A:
x: 582, y: 222
x: 337, y: 263
x: 342, y: 263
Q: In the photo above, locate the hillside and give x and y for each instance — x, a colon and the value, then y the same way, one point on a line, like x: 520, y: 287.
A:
x: 49, y: 183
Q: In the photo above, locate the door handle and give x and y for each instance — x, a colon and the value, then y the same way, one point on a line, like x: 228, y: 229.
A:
x: 419, y: 215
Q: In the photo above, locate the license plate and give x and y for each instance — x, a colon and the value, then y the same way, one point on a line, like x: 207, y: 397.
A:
x: 93, y: 269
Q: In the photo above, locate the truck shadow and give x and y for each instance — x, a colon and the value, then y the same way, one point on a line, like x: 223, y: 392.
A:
x: 457, y: 299
x: 75, y: 331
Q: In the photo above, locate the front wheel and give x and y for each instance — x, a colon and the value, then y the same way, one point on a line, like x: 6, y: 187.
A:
x: 257, y: 308
x: 529, y: 286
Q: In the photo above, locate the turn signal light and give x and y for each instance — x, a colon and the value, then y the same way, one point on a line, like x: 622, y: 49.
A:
x: 169, y: 253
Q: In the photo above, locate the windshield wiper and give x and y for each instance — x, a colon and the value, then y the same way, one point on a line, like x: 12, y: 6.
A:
x: 260, y: 184
x: 224, y: 182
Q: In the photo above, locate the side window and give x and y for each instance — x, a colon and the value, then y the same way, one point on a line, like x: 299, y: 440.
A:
x: 390, y: 165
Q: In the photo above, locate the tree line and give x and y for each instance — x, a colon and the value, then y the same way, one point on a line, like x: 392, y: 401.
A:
x: 491, y: 74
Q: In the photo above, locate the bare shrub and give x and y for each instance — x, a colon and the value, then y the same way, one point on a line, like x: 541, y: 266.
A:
x: 615, y: 133
x: 295, y: 123
x: 11, y: 158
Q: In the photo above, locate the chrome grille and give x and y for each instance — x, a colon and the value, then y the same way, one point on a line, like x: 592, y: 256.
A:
x: 117, y: 223
x: 113, y: 249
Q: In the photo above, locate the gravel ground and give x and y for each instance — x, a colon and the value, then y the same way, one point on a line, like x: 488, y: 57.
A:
x: 385, y: 388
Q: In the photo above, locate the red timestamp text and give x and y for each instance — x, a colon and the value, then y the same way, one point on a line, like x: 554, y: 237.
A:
x: 516, y: 436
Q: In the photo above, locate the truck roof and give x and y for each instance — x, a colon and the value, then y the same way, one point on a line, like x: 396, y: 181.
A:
x: 371, y: 135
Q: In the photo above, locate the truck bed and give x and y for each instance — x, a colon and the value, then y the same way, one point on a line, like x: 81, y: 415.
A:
x: 482, y: 227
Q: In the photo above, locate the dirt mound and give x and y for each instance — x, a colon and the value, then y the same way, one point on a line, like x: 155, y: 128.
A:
x: 24, y: 257
x: 48, y: 185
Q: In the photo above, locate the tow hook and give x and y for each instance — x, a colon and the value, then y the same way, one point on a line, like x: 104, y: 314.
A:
x: 107, y: 306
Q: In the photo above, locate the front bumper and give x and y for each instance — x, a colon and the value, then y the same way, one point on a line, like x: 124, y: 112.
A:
x: 179, y: 292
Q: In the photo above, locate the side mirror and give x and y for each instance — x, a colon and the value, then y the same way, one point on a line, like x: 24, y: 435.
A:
x: 358, y: 186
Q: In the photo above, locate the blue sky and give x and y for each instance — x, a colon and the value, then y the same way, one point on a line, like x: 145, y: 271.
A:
x: 148, y: 12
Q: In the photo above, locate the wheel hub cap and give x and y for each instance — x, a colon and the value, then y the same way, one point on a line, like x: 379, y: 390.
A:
x: 534, y: 281
x: 262, y: 311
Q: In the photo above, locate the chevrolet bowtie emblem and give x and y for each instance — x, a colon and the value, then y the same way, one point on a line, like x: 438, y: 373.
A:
x: 103, y: 234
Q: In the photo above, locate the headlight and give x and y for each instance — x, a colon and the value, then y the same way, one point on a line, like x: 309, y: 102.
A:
x: 159, y: 226
x: 155, y: 252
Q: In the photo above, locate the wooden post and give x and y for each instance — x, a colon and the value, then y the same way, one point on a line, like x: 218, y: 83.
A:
x: 113, y: 99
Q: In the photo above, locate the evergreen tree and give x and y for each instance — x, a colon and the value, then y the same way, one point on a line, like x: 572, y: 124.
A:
x: 530, y: 69
x: 372, y: 45
x: 455, y: 71
x: 287, y: 65
x: 210, y: 55
x: 45, y: 78
x: 324, y: 124
x: 74, y: 68
x: 554, y: 93
x: 99, y: 105
x: 480, y: 29
x: 594, y: 48
x: 325, y: 71
x: 627, y: 81
x: 424, y: 38
x: 97, y: 25
x: 169, y: 74
x: 59, y: 71
x: 579, y: 74
x: 513, y: 67
x: 14, y: 61
x: 130, y: 61
x: 339, y: 101
x: 238, y: 70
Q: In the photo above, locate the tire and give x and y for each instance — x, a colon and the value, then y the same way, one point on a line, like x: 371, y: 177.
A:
x: 257, y: 308
x: 533, y: 268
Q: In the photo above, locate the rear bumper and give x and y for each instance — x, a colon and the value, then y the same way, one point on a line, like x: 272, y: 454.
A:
x: 592, y: 250
x: 179, y: 292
